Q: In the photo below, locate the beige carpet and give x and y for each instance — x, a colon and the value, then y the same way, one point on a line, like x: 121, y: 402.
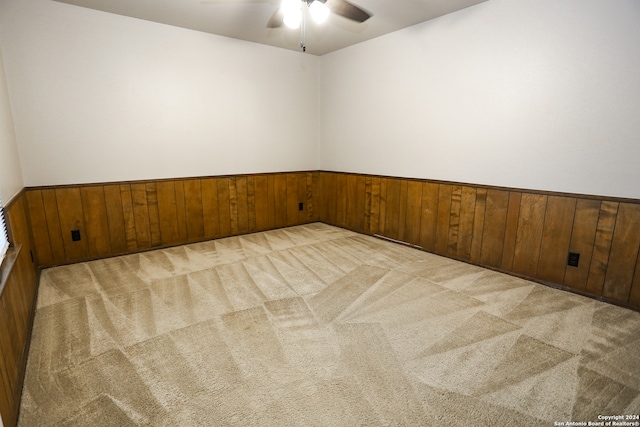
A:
x: 318, y: 326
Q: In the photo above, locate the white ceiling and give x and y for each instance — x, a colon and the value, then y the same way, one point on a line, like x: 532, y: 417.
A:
x: 247, y: 19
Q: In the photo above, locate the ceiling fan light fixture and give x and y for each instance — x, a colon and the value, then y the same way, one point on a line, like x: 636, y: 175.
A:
x: 292, y: 19
x: 292, y: 13
x: 319, y: 11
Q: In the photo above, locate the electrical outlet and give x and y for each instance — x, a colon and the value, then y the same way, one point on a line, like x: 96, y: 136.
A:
x: 574, y: 259
x: 300, y: 206
x: 75, y: 235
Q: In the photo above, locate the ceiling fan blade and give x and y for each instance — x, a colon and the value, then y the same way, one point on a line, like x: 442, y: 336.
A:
x: 277, y: 19
x: 347, y: 10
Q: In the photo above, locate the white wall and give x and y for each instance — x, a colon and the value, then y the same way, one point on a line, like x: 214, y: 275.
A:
x: 100, y: 97
x: 10, y: 171
x: 539, y: 94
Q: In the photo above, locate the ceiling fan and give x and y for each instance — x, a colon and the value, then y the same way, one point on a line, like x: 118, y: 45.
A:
x: 290, y: 13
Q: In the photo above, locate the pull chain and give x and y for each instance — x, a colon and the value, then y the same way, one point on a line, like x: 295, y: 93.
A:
x: 303, y: 30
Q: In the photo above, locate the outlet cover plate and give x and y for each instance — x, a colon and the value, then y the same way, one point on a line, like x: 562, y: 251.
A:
x: 574, y: 259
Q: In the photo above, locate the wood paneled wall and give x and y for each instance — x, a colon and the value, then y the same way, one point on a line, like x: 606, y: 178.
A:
x: 527, y: 233
x: 120, y: 218
x: 17, y: 303
x: 515, y: 231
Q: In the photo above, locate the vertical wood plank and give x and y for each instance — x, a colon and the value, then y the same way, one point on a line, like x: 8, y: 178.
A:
x: 624, y: 253
x: 292, y: 199
x: 9, y: 306
x: 376, y: 207
x: 454, y: 221
x: 511, y: 229
x: 261, y: 183
x: 22, y: 305
x: 154, y: 214
x: 271, y: 198
x: 329, y: 197
x: 495, y: 219
x: 352, y: 202
x: 167, y: 212
x: 429, y: 215
x: 382, y: 224
x: 115, y: 216
x: 242, y: 195
x: 210, y: 208
x: 193, y: 209
x: 467, y: 216
x: 556, y: 238
x: 251, y: 203
x: 53, y: 226
x: 341, y: 200
x: 233, y: 205
x: 634, y: 295
x: 224, y: 210
x: 13, y: 322
x: 8, y: 337
x: 6, y: 346
x: 402, y: 209
x: 305, y: 195
x: 39, y: 228
x: 478, y: 224
x: 317, y: 196
x: 129, y: 218
x: 14, y: 290
x: 367, y: 204
x: 414, y: 211
x: 280, y: 194
x: 9, y: 366
x: 582, y: 240
x: 6, y: 400
x: 392, y: 215
x: 322, y: 205
x: 96, y: 221
x: 361, y: 206
x: 141, y: 215
x: 444, y: 215
x: 602, y: 247
x: 181, y: 211
x: 529, y: 235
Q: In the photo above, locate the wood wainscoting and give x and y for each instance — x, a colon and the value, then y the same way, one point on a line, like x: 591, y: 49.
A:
x: 17, y: 305
x: 126, y: 217
x: 522, y: 232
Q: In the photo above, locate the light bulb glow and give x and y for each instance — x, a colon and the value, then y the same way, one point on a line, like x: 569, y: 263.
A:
x: 319, y: 11
x: 292, y: 14
x: 292, y: 19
